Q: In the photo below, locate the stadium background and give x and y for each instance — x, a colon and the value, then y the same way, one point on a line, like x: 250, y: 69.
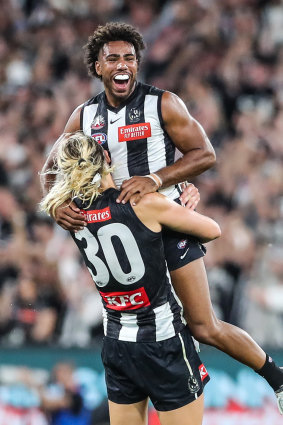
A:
x: 224, y: 58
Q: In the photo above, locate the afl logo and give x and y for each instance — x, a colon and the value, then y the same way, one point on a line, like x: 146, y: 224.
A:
x: 182, y: 244
x: 100, y: 138
x: 131, y: 279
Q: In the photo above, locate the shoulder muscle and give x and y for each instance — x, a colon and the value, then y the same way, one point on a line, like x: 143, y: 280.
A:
x: 186, y: 133
x: 73, y: 123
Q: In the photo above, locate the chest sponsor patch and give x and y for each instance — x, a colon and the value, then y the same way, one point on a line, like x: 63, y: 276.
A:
x: 130, y: 300
x: 203, y: 372
x: 134, y: 132
x: 96, y: 216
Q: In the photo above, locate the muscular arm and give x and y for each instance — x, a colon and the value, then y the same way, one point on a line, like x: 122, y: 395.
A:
x: 189, y: 137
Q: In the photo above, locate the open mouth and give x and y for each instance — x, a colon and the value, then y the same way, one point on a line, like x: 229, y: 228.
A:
x: 121, y: 81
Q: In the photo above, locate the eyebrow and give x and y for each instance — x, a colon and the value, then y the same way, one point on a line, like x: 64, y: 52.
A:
x: 115, y: 55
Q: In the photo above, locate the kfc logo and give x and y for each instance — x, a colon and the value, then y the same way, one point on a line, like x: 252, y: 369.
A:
x: 96, y: 216
x: 134, y: 132
x: 123, y: 301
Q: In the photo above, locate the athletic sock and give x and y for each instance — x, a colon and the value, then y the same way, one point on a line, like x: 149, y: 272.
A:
x: 272, y: 373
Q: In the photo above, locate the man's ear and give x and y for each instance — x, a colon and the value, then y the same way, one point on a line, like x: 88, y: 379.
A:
x: 98, y: 68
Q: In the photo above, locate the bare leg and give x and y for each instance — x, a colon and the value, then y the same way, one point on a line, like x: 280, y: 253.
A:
x: 135, y: 414
x: 191, y: 414
x: 191, y: 286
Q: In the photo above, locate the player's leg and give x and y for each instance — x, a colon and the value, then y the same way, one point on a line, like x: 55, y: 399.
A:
x: 191, y: 286
x: 190, y: 414
x: 190, y: 283
x: 127, y: 400
x: 121, y: 414
x: 184, y: 259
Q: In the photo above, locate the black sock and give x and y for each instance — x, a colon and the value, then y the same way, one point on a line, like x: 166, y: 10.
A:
x: 272, y: 373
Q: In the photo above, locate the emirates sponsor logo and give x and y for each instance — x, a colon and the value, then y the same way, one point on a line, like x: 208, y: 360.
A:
x: 96, y: 216
x: 130, y: 300
x: 134, y: 132
x: 203, y: 372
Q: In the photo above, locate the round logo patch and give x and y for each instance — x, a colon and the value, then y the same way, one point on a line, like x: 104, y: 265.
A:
x: 131, y: 279
x: 193, y: 384
x: 182, y: 244
x: 98, y: 122
x: 100, y: 138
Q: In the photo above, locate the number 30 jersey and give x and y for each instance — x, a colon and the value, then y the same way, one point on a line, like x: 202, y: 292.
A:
x: 126, y: 261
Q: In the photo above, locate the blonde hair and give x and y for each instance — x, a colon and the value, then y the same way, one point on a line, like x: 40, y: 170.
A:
x: 79, y: 166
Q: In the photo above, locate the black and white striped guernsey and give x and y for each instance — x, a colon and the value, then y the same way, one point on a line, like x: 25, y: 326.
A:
x: 133, y: 133
x: 126, y: 261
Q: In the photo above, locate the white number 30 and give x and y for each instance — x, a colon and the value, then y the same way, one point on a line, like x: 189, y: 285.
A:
x: 105, y: 234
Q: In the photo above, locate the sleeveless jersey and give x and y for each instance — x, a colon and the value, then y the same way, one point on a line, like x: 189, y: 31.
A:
x: 133, y: 134
x: 126, y: 261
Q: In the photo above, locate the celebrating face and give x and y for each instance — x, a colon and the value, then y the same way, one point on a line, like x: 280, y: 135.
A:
x: 117, y: 65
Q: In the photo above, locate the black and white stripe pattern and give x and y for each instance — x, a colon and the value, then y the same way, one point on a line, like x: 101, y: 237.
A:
x: 156, y: 324
x: 134, y: 157
x: 144, y: 308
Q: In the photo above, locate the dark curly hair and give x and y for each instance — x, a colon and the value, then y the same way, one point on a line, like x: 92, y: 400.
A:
x: 112, y: 31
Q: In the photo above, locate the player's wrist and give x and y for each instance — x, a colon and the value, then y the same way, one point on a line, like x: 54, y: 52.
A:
x: 157, y: 180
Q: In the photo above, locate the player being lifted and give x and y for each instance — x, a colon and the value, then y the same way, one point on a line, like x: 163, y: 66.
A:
x: 147, y: 351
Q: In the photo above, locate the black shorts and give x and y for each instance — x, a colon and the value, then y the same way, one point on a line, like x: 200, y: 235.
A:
x: 169, y: 372
x: 180, y: 248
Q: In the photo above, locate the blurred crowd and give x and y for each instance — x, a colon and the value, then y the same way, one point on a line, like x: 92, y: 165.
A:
x: 67, y: 395
x: 224, y: 58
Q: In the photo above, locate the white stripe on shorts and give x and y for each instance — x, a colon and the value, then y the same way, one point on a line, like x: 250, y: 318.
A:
x: 185, y: 358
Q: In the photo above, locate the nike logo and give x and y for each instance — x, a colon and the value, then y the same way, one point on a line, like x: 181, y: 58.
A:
x: 112, y: 121
x: 183, y: 256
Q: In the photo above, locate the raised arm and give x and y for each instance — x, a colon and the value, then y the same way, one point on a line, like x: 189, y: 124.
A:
x: 67, y: 215
x: 189, y: 137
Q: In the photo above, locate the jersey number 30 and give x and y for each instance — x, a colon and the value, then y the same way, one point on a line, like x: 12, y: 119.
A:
x: 98, y: 269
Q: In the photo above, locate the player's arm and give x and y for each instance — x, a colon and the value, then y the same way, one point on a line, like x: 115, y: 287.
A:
x: 155, y: 211
x: 67, y: 215
x: 189, y: 137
